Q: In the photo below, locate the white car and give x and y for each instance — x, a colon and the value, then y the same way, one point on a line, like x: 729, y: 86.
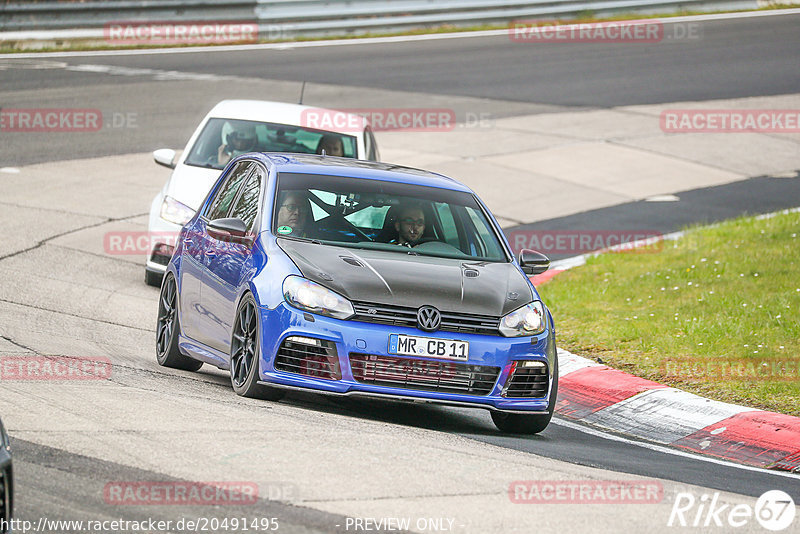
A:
x: 234, y: 127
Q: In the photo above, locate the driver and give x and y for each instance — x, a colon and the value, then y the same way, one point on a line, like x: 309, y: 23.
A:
x: 331, y: 145
x: 241, y: 139
x: 410, y: 225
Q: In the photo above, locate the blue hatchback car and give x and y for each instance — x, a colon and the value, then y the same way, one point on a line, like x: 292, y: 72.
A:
x: 358, y: 278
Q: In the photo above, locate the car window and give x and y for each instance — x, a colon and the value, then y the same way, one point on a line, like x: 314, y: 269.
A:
x: 262, y: 137
x: 227, y: 192
x: 448, y: 224
x: 246, y: 207
x: 390, y: 216
x: 485, y: 241
x: 370, y: 145
x: 371, y: 217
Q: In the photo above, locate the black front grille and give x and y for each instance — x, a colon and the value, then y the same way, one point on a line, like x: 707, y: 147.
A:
x: 403, y: 316
x: 408, y: 373
x: 299, y: 356
x: 530, y: 382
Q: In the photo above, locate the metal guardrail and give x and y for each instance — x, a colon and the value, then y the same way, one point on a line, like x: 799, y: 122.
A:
x: 316, y: 17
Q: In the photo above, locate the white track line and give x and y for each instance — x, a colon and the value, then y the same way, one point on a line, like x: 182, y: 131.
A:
x: 668, y: 450
x: 374, y: 40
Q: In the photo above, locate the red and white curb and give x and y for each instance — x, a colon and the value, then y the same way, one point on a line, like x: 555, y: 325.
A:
x: 613, y: 400
x: 607, y: 398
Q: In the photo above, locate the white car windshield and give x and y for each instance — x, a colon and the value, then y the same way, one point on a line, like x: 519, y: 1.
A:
x: 223, y: 139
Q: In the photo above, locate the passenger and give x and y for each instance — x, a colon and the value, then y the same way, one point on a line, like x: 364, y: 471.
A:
x: 294, y: 214
x: 332, y: 146
x: 410, y: 225
x: 242, y: 139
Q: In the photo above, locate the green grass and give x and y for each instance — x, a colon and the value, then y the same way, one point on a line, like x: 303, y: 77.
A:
x: 722, y: 295
x: 586, y: 16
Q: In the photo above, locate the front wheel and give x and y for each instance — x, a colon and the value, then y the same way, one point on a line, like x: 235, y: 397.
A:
x: 168, y: 328
x: 523, y: 423
x: 246, y: 354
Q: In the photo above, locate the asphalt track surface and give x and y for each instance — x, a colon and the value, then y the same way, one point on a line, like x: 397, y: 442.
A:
x: 729, y: 59
x: 735, y: 58
x: 707, y: 205
x: 725, y: 59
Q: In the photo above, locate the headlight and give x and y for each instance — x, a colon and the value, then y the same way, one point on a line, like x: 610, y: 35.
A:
x: 175, y: 212
x: 307, y: 296
x: 528, y: 320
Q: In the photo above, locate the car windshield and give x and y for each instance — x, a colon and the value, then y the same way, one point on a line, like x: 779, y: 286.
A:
x: 222, y: 139
x: 382, y: 215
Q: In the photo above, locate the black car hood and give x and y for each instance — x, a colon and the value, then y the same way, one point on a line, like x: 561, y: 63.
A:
x: 383, y: 277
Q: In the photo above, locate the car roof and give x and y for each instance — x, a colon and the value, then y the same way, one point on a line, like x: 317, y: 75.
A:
x: 283, y: 113
x: 370, y: 170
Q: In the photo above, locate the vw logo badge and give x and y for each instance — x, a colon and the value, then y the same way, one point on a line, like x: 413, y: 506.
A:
x: 429, y: 319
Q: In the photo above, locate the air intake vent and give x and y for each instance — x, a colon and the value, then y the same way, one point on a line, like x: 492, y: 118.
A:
x: 528, y: 379
x: 352, y: 261
x: 309, y: 357
x: 426, y: 375
x: 470, y: 273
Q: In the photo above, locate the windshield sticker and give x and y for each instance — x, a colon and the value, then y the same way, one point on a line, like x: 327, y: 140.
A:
x: 283, y: 230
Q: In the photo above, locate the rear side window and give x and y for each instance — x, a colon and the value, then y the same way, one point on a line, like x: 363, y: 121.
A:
x: 370, y: 145
x: 223, y: 199
x: 246, y: 207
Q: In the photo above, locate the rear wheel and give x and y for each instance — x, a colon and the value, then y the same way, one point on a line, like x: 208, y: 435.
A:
x: 523, y: 423
x: 246, y: 354
x: 168, y: 329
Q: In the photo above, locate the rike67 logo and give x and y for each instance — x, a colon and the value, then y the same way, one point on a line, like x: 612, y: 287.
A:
x: 774, y: 510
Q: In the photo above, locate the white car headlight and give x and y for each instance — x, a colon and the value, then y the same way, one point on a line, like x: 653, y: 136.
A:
x: 175, y: 212
x: 528, y: 320
x: 308, y: 296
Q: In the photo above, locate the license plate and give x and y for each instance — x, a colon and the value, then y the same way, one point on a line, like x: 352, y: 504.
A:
x: 428, y: 347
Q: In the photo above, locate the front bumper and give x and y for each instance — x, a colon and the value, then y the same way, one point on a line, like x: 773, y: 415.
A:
x: 360, y: 339
x: 162, y: 233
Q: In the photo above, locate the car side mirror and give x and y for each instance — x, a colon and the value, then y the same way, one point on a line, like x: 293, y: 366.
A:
x: 165, y: 157
x: 533, y: 262
x: 231, y: 229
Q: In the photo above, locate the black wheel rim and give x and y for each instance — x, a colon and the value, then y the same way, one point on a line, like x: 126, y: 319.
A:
x: 243, y: 348
x: 166, y: 316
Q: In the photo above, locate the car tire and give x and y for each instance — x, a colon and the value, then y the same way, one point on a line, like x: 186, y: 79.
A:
x: 246, y: 354
x: 513, y: 423
x: 153, y: 279
x: 168, y: 329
